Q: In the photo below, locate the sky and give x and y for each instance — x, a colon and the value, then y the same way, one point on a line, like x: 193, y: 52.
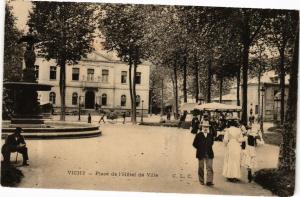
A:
x: 21, y: 7
x: 21, y: 11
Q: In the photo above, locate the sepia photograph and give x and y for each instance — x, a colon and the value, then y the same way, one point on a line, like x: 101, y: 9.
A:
x: 183, y: 99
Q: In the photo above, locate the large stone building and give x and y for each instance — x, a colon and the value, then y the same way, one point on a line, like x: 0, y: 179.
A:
x: 97, y: 80
x: 269, y: 98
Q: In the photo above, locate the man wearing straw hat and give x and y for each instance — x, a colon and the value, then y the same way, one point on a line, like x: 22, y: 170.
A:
x: 203, y: 142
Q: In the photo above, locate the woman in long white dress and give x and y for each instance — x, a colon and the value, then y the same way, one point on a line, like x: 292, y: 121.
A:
x: 232, y: 157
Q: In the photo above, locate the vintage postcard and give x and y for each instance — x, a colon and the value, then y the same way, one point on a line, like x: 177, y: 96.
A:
x: 149, y: 98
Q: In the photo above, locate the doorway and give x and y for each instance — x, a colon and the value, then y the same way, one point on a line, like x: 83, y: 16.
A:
x: 89, y: 100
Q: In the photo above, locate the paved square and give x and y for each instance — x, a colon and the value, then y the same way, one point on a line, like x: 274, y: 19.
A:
x: 133, y: 158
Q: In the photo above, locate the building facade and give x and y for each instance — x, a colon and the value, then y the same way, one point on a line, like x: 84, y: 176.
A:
x: 95, y: 82
x: 266, y: 101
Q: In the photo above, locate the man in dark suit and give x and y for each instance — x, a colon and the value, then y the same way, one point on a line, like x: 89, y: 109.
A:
x: 203, y: 142
x: 15, y: 143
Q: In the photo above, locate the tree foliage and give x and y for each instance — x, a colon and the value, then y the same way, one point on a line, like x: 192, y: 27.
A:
x: 122, y: 27
x: 281, y: 37
x: 13, y: 51
x: 66, y: 31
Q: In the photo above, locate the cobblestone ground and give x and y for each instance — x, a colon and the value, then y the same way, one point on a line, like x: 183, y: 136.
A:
x: 133, y: 158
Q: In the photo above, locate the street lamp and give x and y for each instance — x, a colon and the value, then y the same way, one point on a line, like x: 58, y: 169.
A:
x: 276, y: 108
x: 262, y: 109
x: 142, y: 120
x: 79, y: 107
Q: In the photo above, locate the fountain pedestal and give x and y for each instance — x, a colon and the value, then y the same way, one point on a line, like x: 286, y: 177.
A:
x: 26, y: 105
x: 24, y: 93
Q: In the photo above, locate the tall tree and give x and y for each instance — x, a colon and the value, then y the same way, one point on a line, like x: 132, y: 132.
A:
x: 13, y: 52
x: 226, y: 68
x: 258, y: 64
x: 210, y: 31
x: 281, y: 36
x: 163, y: 41
x: 227, y: 61
x: 287, y: 153
x: 66, y: 31
x: 249, y: 23
x: 122, y: 27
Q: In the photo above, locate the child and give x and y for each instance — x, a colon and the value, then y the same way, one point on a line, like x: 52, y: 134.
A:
x: 252, y: 137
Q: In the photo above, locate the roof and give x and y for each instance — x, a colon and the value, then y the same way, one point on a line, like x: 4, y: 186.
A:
x: 109, y: 57
x: 226, y: 97
x: 269, y: 77
x: 209, y: 107
x: 101, y: 56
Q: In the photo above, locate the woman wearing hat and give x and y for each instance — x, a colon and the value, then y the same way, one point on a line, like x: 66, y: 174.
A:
x: 232, y: 157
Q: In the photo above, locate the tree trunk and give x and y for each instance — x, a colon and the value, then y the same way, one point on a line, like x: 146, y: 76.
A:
x: 173, y: 88
x: 245, y: 82
x: 221, y: 90
x: 134, y: 94
x: 258, y: 91
x: 130, y: 86
x: 162, y: 98
x: 62, y: 88
x: 238, y: 82
x: 176, y: 90
x: 282, y: 85
x: 287, y: 154
x: 196, y: 79
x: 208, y: 99
x: 150, y: 102
x: 184, y: 78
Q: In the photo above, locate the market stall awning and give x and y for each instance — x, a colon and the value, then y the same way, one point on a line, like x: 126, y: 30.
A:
x: 188, y: 106
x: 218, y: 107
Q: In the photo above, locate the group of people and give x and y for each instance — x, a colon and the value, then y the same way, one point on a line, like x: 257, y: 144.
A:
x: 239, y: 141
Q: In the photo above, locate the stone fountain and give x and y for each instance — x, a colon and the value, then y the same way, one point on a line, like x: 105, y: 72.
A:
x: 24, y: 93
x: 26, y: 109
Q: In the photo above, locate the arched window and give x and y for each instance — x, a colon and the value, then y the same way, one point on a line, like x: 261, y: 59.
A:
x: 104, y: 99
x: 74, y: 98
x: 52, y: 97
x: 138, y: 100
x: 123, y: 100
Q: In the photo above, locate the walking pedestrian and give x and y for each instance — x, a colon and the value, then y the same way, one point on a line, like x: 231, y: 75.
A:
x: 252, y: 137
x: 168, y: 115
x: 195, y: 124
x: 89, y: 118
x: 232, y: 157
x: 124, y: 117
x: 182, y: 119
x: 102, y: 118
x: 203, y: 142
x: 251, y: 119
